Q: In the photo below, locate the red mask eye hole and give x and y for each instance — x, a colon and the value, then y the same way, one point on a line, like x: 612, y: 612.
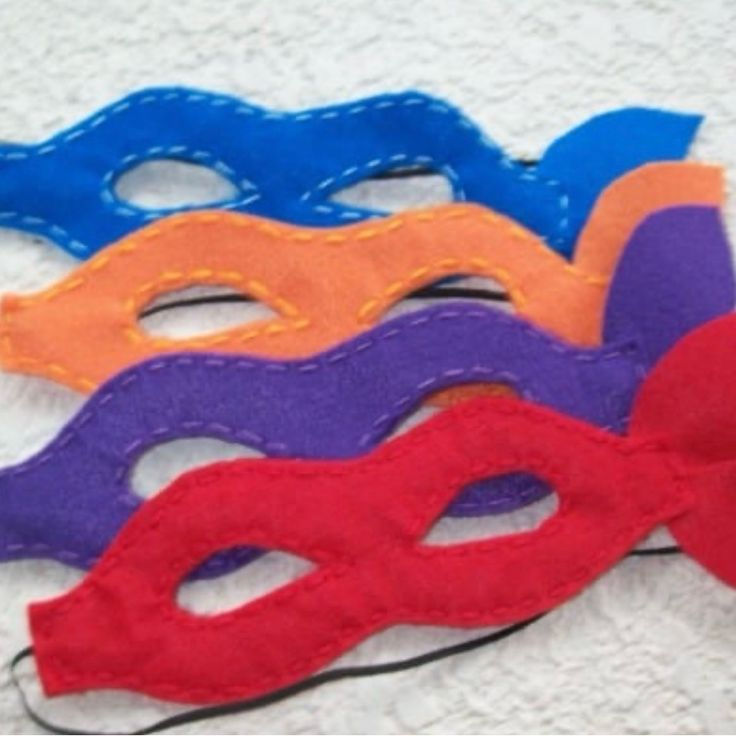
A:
x: 270, y: 571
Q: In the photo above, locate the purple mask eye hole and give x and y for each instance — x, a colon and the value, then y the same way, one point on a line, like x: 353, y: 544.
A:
x: 493, y: 496
x: 153, y: 471
x: 501, y: 496
x: 442, y: 399
x: 504, y: 505
x: 269, y: 571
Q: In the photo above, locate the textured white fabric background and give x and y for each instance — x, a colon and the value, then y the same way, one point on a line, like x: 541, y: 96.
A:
x: 651, y: 647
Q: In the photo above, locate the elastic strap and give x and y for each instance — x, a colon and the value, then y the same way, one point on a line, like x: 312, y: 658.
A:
x: 242, y: 706
x: 412, y: 171
x: 651, y: 551
x: 428, y: 292
x: 309, y: 683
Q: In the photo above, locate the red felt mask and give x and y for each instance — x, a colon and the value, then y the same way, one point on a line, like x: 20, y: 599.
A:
x: 362, y: 522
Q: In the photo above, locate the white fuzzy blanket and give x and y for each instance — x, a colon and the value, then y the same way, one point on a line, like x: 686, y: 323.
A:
x: 651, y: 647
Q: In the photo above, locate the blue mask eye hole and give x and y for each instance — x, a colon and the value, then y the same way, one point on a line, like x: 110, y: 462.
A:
x: 396, y: 190
x: 167, y: 184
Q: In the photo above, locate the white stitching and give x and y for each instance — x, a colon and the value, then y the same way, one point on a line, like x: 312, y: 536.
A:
x: 37, y: 223
x: 324, y: 208
x: 109, y: 197
x: 220, y: 101
x: 325, y: 113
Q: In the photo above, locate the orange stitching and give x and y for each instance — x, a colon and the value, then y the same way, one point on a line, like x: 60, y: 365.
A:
x: 13, y: 359
x: 40, y: 367
x: 367, y: 232
x: 372, y: 307
x: 98, y: 262
x: 296, y: 320
x: 357, y: 233
x: 302, y: 236
x: 293, y: 318
x: 519, y: 233
x: 593, y: 279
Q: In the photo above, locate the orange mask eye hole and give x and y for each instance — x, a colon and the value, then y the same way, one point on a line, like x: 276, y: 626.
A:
x: 200, y: 310
x: 328, y: 285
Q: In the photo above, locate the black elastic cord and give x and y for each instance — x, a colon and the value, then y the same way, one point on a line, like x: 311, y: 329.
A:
x: 309, y: 683
x: 409, y: 172
x: 405, y: 172
x: 428, y: 292
x: 654, y: 551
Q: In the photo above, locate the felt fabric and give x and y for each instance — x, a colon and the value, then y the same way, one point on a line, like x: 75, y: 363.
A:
x: 675, y: 274
x: 688, y: 402
x: 287, y: 165
x: 327, y: 285
x: 70, y: 500
x: 362, y: 523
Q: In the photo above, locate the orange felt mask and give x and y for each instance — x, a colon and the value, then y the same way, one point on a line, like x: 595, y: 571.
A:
x: 327, y: 285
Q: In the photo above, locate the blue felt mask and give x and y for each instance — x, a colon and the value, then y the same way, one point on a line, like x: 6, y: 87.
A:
x: 287, y: 165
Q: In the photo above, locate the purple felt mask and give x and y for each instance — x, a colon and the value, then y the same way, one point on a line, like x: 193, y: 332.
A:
x: 68, y: 501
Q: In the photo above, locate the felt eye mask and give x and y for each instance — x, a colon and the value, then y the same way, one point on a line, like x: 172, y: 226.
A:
x: 326, y: 285
x: 362, y: 523
x: 70, y: 500
x: 287, y: 165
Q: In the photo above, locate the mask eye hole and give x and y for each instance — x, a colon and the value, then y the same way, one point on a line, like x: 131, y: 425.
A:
x: 482, y: 290
x: 412, y: 420
x: 486, y: 292
x: 265, y: 575
x: 435, y: 402
x: 169, y: 184
x: 398, y: 189
x: 199, y: 310
x: 157, y: 467
x: 536, y: 500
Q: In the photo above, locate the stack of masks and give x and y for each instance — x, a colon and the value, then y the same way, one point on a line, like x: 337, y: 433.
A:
x: 611, y: 385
